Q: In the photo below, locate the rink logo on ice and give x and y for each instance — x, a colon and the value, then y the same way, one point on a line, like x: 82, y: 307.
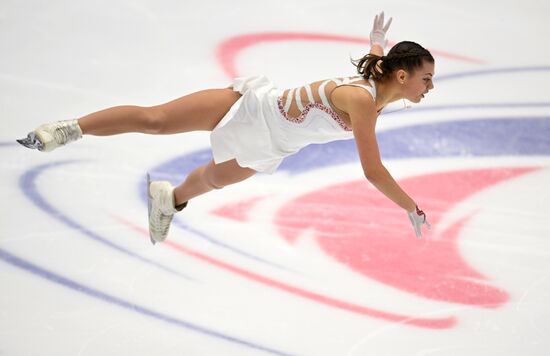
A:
x: 352, y: 223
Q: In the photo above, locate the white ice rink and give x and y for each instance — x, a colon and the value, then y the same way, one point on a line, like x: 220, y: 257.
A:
x: 310, y: 261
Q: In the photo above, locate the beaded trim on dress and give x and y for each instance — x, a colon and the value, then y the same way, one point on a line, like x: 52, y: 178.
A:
x: 299, y: 119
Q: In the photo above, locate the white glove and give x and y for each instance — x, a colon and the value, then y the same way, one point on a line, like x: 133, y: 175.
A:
x: 418, y: 218
x: 378, y: 33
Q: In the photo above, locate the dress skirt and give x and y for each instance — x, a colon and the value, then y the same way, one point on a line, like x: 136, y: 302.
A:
x: 246, y: 132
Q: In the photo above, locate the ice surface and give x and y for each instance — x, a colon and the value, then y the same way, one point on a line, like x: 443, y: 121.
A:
x: 310, y: 260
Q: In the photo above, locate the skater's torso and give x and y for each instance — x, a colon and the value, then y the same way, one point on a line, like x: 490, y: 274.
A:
x: 293, y: 102
x: 269, y: 124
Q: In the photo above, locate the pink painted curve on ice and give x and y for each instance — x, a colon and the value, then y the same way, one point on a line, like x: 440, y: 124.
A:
x: 228, y: 50
x: 431, y: 323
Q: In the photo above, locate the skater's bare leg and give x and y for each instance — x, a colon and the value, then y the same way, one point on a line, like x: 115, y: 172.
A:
x: 211, y: 176
x: 201, y: 110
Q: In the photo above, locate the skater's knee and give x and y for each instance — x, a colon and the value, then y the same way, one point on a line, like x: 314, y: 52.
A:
x: 154, y: 119
x: 211, y: 180
x: 217, y: 176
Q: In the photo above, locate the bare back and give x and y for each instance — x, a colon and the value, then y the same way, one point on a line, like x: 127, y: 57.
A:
x: 295, y: 100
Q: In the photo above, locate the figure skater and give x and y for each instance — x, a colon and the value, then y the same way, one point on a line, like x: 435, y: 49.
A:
x: 255, y: 125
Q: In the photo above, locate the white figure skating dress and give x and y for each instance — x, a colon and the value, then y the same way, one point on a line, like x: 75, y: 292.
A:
x: 258, y: 131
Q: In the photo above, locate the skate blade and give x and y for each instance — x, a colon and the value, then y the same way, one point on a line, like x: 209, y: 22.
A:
x: 149, y: 203
x: 31, y: 141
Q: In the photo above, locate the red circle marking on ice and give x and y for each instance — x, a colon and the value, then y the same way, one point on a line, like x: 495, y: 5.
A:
x: 228, y: 50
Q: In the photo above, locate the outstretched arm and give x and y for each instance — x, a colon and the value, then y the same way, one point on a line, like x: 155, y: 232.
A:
x: 363, y: 118
x: 362, y: 111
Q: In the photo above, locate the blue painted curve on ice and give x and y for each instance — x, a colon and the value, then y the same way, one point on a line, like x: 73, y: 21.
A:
x: 132, y: 307
x: 27, y: 183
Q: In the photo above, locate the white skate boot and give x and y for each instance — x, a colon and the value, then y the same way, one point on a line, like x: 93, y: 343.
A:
x: 161, y: 206
x: 48, y: 137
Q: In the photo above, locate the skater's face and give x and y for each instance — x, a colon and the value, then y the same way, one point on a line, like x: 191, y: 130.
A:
x: 417, y: 84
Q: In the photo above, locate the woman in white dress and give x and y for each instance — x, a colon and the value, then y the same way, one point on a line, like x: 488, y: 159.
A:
x: 254, y: 125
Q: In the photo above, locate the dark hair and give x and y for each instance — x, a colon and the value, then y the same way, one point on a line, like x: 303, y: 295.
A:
x: 405, y: 55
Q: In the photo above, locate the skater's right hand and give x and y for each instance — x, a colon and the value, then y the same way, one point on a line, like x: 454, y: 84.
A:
x: 418, y: 218
x: 378, y: 33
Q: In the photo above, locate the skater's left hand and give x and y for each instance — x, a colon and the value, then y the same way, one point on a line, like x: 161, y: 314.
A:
x: 418, y: 218
x: 379, y: 29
